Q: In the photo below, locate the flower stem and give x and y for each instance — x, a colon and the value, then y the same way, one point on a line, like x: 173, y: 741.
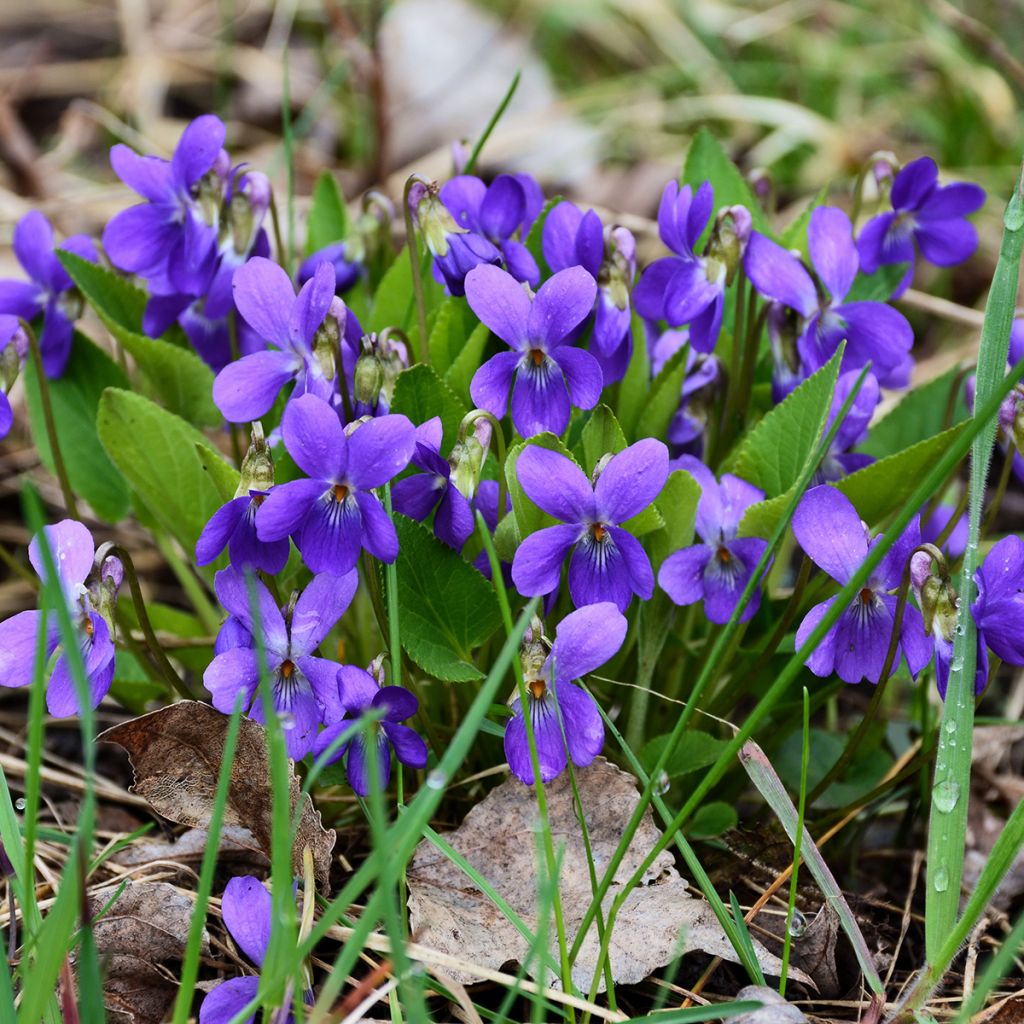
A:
x: 498, y: 437
x: 422, y: 355
x: 59, y: 465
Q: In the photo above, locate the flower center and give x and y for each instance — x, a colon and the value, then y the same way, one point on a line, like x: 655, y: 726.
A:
x: 287, y: 669
x: 88, y: 626
x: 867, y: 596
x: 340, y: 492
x: 723, y: 554
x: 537, y: 355
x: 537, y: 688
x: 598, y: 532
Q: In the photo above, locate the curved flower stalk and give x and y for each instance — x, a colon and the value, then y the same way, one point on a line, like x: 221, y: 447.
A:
x: 827, y: 527
x: 546, y: 373
x: 304, y: 687
x: 566, y: 721
x: 822, y: 318
x: 73, y: 551
x: 49, y: 292
x: 716, y: 571
x: 362, y: 691
x: 608, y: 564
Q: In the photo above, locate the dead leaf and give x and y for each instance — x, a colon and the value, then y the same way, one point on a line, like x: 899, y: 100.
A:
x: 775, y: 1009
x: 657, y: 922
x: 176, y: 754
x: 144, y: 929
x: 237, y: 846
x: 815, y: 950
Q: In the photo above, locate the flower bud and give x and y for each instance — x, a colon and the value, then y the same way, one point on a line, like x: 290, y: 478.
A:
x: 436, y: 224
x: 619, y: 266
x: 466, y: 460
x: 257, y: 466
x: 12, y: 354
x: 728, y: 242
x: 369, y: 377
x: 247, y: 207
x: 327, y: 340
x: 939, y: 607
x: 533, y: 651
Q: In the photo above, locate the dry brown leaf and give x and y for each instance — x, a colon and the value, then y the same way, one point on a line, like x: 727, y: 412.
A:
x: 145, y: 928
x: 237, y: 846
x: 774, y: 1008
x: 815, y: 950
x: 176, y: 755
x: 657, y: 922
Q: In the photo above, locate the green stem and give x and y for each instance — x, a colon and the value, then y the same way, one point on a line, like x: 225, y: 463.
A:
x: 498, y: 439
x: 204, y: 609
x: 1000, y: 493
x: 417, y: 275
x: 59, y: 465
x: 495, y: 118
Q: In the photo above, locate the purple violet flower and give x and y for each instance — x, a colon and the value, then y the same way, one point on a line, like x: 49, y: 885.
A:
x: 545, y: 373
x: 418, y: 495
x: 572, y: 238
x: 172, y: 236
x: 566, y: 721
x: 73, y: 551
x: 13, y: 351
x: 608, y: 563
x: 233, y: 526
x: 874, y: 332
x: 716, y: 571
x: 687, y: 288
x: 247, y: 389
x: 686, y: 429
x: 247, y: 911
x: 496, y: 212
x: 827, y: 527
x: 303, y: 686
x: 49, y: 291
x: 839, y: 461
x: 999, y: 609
x: 335, y: 513
x: 925, y: 216
x: 956, y: 543
x: 346, y: 271
x: 360, y: 692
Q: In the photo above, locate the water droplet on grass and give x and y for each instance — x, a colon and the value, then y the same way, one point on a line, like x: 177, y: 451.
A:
x: 950, y: 726
x: 940, y: 880
x: 797, y: 925
x: 945, y: 795
x: 21, y: 803
x: 437, y: 779
x: 662, y: 784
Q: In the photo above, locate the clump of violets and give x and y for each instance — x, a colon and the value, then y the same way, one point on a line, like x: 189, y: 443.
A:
x: 687, y: 288
x: 717, y: 570
x: 565, y: 718
x: 334, y: 515
x: 545, y: 371
x: 362, y: 693
x: 304, y: 687
x: 827, y: 527
x: 608, y: 563
x: 572, y: 238
x: 247, y: 911
x: 49, y: 291
x: 813, y: 315
x: 90, y: 606
x: 926, y: 217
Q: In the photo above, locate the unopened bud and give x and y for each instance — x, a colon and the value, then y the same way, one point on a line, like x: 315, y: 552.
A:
x: 619, y: 266
x: 12, y: 353
x: 249, y: 203
x: 939, y: 607
x: 729, y: 240
x: 327, y: 340
x: 533, y: 651
x: 369, y: 378
x: 257, y: 466
x: 466, y: 460
x: 432, y: 217
x: 376, y: 667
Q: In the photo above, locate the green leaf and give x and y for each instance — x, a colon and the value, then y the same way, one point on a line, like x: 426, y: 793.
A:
x: 712, y: 819
x: 773, y: 454
x: 601, y: 435
x: 696, y: 750
x: 394, y: 304
x: 529, y: 518
x: 536, y: 232
x: 761, y: 518
x: 636, y: 384
x: 445, y: 337
x: 883, y: 487
x: 420, y: 394
x: 328, y: 214
x: 156, y: 452
x: 663, y: 400
x: 677, y: 504
x: 75, y: 398
x: 877, y: 287
x: 795, y: 235
x: 706, y: 160
x: 177, y: 376
x: 445, y: 607
x: 224, y: 476
x: 864, y: 773
x: 467, y: 362
x: 920, y: 414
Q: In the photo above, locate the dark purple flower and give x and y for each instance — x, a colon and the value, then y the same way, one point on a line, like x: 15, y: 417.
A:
x: 687, y: 288
x: 572, y: 238
x: 247, y: 389
x: 566, y: 721
x: 1011, y: 409
x: 608, y: 563
x: 548, y: 373
x: 839, y: 460
x: 497, y: 212
x: 361, y: 692
x: 49, y: 292
x: 485, y: 501
x: 999, y: 609
x: 686, y: 429
x: 304, y: 687
x: 72, y: 548
x: 874, y: 332
x: 346, y: 271
x: 933, y: 525
x: 717, y: 570
x: 418, y: 495
x: 827, y: 527
x: 233, y: 526
x: 171, y: 238
x: 247, y: 911
x: 335, y: 513
x: 13, y: 351
x: 926, y: 217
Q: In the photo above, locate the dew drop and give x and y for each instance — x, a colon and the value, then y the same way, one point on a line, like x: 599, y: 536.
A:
x: 960, y: 629
x: 437, y: 779
x: 287, y: 721
x: 945, y: 795
x: 21, y: 803
x: 950, y: 726
x: 940, y: 880
x: 798, y: 924
x: 662, y: 784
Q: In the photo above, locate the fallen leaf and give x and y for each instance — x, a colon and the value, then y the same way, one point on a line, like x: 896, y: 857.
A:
x: 143, y: 930
x: 774, y: 1009
x: 815, y: 950
x: 176, y: 754
x: 237, y: 845
x: 658, y: 920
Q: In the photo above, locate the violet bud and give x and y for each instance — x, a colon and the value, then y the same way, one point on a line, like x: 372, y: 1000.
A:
x: 327, y: 340
x: 432, y: 217
x: 257, y: 465
x: 369, y: 376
